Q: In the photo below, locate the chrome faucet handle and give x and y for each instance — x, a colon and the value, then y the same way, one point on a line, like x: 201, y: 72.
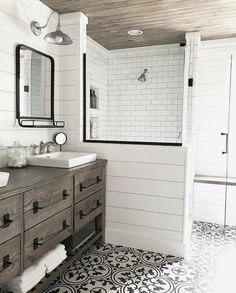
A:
x: 48, y: 145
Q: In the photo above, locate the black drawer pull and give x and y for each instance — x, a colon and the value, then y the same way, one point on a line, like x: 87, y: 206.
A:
x: 65, y: 194
x: 65, y: 226
x: 6, y: 262
x: 36, y: 242
x: 98, y: 180
x: 84, y: 215
x: 6, y: 221
x: 36, y: 207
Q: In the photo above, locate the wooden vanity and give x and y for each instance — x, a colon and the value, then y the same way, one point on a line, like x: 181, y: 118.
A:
x: 43, y: 206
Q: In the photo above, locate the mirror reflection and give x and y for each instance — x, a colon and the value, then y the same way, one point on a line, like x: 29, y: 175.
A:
x: 35, y: 80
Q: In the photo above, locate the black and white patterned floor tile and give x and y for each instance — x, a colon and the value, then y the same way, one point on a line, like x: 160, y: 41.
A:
x: 117, y: 269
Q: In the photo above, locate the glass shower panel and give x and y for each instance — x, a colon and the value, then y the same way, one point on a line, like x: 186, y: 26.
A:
x: 212, y: 121
x: 231, y: 171
x: 232, y: 126
x: 212, y: 133
x: 135, y: 95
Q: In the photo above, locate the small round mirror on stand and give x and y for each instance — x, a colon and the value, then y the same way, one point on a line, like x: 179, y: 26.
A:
x: 60, y: 139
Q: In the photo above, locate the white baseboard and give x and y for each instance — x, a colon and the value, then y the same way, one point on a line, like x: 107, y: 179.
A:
x: 145, y: 242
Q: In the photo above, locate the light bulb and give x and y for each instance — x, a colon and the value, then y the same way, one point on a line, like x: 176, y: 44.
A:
x: 58, y: 39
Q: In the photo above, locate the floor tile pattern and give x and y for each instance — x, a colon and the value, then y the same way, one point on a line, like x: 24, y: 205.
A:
x: 117, y: 269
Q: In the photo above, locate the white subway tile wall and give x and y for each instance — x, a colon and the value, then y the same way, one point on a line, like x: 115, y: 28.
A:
x: 97, y: 77
x: 130, y: 110
x: 148, y: 111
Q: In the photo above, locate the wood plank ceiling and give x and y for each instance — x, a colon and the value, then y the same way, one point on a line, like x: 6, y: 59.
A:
x: 162, y: 21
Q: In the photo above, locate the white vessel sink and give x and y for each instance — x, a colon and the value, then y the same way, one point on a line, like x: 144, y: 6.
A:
x: 61, y: 159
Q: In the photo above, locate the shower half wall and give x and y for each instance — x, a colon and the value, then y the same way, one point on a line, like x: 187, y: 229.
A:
x: 130, y: 110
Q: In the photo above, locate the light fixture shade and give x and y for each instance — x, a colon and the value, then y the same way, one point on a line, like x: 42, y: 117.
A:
x: 58, y: 38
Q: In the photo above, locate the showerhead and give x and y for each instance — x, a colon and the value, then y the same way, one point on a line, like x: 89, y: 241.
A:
x: 142, y: 77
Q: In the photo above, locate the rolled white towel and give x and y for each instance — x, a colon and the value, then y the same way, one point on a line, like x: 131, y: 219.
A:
x: 56, y: 259
x: 24, y: 287
x: 53, y: 254
x: 26, y: 282
x: 58, y: 250
x: 30, y: 273
x: 50, y: 266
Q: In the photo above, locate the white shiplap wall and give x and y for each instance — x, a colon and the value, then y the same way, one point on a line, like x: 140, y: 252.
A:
x: 145, y: 184
x: 71, y: 77
x: 146, y: 188
x: 15, y: 18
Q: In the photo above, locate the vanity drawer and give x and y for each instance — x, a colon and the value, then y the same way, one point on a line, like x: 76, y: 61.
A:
x: 9, y: 259
x: 46, y: 201
x: 46, y: 235
x: 10, y: 217
x: 88, y: 182
x: 86, y: 210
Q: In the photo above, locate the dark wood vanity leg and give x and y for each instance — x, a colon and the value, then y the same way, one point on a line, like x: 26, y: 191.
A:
x: 101, y: 219
x: 99, y: 228
x: 22, y: 233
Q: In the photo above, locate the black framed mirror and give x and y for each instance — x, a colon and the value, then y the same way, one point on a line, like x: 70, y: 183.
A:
x: 35, y: 88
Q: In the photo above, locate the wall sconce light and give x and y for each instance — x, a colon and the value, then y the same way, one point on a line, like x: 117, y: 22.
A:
x: 57, y: 37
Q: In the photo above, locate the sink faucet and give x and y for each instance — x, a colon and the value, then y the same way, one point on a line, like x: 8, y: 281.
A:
x: 45, y: 146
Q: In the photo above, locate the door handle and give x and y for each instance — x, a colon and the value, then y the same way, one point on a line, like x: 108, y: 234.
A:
x: 226, y: 142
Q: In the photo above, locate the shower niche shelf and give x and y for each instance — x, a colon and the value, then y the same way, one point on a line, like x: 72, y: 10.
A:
x: 94, y: 98
x: 94, y: 112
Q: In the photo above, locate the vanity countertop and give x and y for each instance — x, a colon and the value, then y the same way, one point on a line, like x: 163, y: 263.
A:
x: 32, y: 176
